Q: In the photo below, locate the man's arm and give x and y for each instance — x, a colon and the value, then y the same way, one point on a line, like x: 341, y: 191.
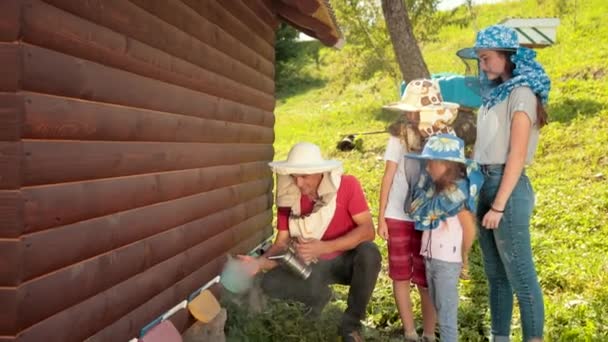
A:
x: 262, y: 263
x: 364, y: 231
x: 279, y: 246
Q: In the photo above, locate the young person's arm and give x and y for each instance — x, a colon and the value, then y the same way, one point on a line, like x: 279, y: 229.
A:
x: 387, y: 181
x: 467, y: 221
x: 518, y: 149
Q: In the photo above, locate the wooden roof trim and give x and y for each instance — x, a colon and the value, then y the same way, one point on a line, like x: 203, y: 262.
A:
x: 320, y: 23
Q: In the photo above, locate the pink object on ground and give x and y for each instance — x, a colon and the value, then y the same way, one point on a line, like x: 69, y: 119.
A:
x: 165, y: 331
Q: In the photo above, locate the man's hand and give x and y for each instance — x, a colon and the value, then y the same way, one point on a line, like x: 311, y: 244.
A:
x: 250, y: 264
x: 309, y: 249
x: 383, y: 229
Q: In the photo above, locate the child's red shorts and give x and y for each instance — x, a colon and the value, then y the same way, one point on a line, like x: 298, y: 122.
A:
x: 404, y: 259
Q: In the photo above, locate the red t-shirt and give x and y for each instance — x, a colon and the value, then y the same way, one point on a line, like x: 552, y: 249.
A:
x: 350, y: 201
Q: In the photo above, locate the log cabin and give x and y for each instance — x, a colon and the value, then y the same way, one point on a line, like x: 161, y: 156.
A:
x: 134, y: 142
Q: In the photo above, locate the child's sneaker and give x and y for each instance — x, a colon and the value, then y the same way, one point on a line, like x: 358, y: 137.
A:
x: 413, y: 337
x: 353, y: 336
x: 426, y: 338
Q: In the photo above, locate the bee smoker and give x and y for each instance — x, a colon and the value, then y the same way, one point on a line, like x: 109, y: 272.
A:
x: 290, y: 261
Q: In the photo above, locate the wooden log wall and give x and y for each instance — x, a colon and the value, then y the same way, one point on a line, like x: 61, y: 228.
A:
x: 134, y: 142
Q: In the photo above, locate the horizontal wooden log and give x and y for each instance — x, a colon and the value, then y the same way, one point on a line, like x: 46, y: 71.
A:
x: 11, y: 67
x: 142, y: 223
x: 79, y: 78
x: 133, y: 21
x: 11, y: 116
x: 10, y: 21
x: 11, y: 261
x: 11, y: 213
x: 49, y: 162
x: 66, y: 203
x: 214, y: 12
x: 80, y: 38
x: 246, y: 16
x: 186, y: 19
x: 129, y: 325
x: 264, y: 13
x: 77, y: 245
x: 245, y: 246
x: 55, y: 117
x: 9, y: 315
x: 10, y: 165
x: 85, y: 318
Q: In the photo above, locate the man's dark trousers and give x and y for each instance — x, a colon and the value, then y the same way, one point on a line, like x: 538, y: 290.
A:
x: 357, y: 268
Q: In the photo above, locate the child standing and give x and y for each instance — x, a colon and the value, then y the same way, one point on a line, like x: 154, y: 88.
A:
x: 443, y: 206
x: 515, y: 89
x: 420, y: 101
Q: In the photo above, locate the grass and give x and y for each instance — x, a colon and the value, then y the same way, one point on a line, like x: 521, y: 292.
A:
x: 570, y: 225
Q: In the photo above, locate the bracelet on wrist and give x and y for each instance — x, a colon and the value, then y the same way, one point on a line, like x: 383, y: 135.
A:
x: 496, y: 210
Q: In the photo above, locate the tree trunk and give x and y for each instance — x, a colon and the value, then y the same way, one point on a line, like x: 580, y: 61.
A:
x: 406, y: 48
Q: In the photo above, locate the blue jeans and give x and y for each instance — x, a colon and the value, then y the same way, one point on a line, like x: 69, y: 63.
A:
x: 442, y: 278
x: 507, y: 255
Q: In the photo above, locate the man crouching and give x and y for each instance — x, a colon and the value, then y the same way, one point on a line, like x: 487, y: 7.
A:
x: 323, y: 216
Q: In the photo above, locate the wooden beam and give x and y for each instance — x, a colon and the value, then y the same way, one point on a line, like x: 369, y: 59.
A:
x: 11, y: 262
x: 214, y: 12
x: 62, y: 204
x: 183, y: 233
x: 54, y: 117
x: 322, y: 31
x: 193, y: 211
x: 87, y: 80
x: 9, y: 315
x: 49, y: 162
x: 134, y: 22
x: 80, y: 38
x: 11, y: 67
x: 128, y: 326
x: 11, y: 116
x: 88, y: 316
x: 248, y: 17
x: 119, y: 265
x: 10, y: 20
x: 11, y: 213
x: 188, y: 20
x: 11, y: 155
x: 264, y: 13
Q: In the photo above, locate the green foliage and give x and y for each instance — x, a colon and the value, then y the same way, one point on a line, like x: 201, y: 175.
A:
x: 569, y: 175
x: 286, y: 46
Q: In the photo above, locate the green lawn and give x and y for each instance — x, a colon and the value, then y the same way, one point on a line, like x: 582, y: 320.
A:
x: 569, y: 174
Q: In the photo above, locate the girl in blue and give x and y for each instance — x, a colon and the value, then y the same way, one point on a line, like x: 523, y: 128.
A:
x: 514, y: 89
x: 445, y: 199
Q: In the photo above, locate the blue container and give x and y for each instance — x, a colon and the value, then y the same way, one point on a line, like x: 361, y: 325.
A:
x: 463, y: 90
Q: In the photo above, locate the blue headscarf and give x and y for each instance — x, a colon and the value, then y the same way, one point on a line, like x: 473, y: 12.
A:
x: 528, y: 72
x: 429, y: 207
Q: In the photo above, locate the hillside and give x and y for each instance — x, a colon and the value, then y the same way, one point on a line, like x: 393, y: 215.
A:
x: 570, y: 226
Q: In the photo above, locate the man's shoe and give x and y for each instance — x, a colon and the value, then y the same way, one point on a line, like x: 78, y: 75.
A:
x: 353, y: 336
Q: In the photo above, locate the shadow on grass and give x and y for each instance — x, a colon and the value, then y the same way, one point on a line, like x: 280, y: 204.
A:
x: 566, y: 110
x: 295, y: 84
